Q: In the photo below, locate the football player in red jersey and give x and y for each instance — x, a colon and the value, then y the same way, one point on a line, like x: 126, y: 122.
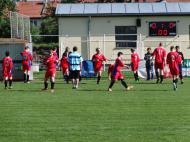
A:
x: 160, y: 61
x: 117, y: 74
x: 173, y: 60
x: 135, y: 63
x: 50, y: 72
x: 26, y: 63
x: 98, y: 60
x: 64, y: 63
x: 7, y: 70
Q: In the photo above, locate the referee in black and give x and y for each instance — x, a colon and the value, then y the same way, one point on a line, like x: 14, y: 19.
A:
x: 180, y: 65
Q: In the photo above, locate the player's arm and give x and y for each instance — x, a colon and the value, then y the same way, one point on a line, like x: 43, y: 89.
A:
x: 168, y: 59
x: 81, y: 60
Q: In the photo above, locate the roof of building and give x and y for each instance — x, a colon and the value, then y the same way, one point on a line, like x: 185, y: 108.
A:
x: 31, y: 9
x: 118, y: 9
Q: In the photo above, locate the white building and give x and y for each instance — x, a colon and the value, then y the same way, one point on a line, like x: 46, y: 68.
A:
x: 120, y: 26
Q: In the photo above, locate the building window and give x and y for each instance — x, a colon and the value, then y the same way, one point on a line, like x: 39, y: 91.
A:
x: 34, y: 22
x: 126, y: 36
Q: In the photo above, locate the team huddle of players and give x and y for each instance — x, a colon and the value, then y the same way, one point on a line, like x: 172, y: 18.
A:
x: 174, y: 59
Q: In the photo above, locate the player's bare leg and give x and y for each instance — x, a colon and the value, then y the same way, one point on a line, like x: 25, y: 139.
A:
x: 67, y: 77
x: 77, y: 84
x: 99, y: 77
x: 52, y: 80
x: 74, y: 84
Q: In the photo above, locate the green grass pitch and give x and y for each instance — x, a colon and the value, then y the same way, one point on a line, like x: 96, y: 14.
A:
x: 149, y: 113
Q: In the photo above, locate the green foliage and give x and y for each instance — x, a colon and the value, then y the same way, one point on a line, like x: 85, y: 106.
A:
x: 46, y: 46
x: 35, y: 30
x: 5, y: 7
x: 4, y: 27
x: 49, y: 26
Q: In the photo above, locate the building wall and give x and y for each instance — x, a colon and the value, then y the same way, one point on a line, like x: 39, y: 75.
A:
x: 77, y: 28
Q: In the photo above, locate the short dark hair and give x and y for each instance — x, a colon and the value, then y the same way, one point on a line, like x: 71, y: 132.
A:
x: 7, y: 53
x: 148, y: 48
x: 75, y: 48
x: 119, y: 54
x: 132, y: 50
x: 26, y: 47
x: 53, y: 48
x: 160, y: 44
x: 97, y: 49
x: 177, y: 47
x: 171, y: 48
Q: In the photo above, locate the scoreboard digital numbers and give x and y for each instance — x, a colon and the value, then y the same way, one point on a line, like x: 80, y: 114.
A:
x: 162, y: 28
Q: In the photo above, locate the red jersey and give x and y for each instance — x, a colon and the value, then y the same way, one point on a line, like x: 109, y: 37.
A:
x: 64, y: 62
x: 51, y: 63
x: 118, y: 65
x: 26, y: 58
x: 160, y: 54
x: 135, y: 58
x: 173, y: 59
x: 7, y: 64
x: 98, y: 60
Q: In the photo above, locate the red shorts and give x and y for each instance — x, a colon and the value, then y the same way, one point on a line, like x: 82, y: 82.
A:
x: 134, y: 67
x: 98, y: 69
x: 7, y: 74
x: 159, y: 66
x: 117, y: 76
x: 50, y: 73
x: 26, y: 67
x: 65, y: 70
x: 174, y: 71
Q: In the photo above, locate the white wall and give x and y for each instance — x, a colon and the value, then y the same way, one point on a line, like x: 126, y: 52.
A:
x: 77, y: 28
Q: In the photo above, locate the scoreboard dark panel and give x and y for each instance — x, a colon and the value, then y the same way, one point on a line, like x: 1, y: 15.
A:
x: 162, y: 28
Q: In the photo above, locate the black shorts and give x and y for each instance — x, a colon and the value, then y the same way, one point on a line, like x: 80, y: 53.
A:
x: 74, y: 74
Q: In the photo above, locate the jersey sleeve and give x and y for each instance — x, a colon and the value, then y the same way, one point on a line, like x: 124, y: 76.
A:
x: 11, y: 64
x: 168, y: 59
x: 104, y: 58
x: 121, y: 63
x: 164, y: 53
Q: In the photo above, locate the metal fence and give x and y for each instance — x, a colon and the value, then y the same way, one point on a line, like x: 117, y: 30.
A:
x: 20, y: 26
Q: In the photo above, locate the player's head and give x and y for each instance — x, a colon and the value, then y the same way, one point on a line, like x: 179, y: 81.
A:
x: 53, y: 49
x: 26, y: 48
x: 119, y: 54
x: 75, y: 49
x: 97, y: 50
x: 177, y: 48
x: 160, y: 44
x: 149, y: 50
x: 7, y: 53
x: 132, y: 50
x: 64, y: 54
x: 172, y: 48
x: 67, y: 49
